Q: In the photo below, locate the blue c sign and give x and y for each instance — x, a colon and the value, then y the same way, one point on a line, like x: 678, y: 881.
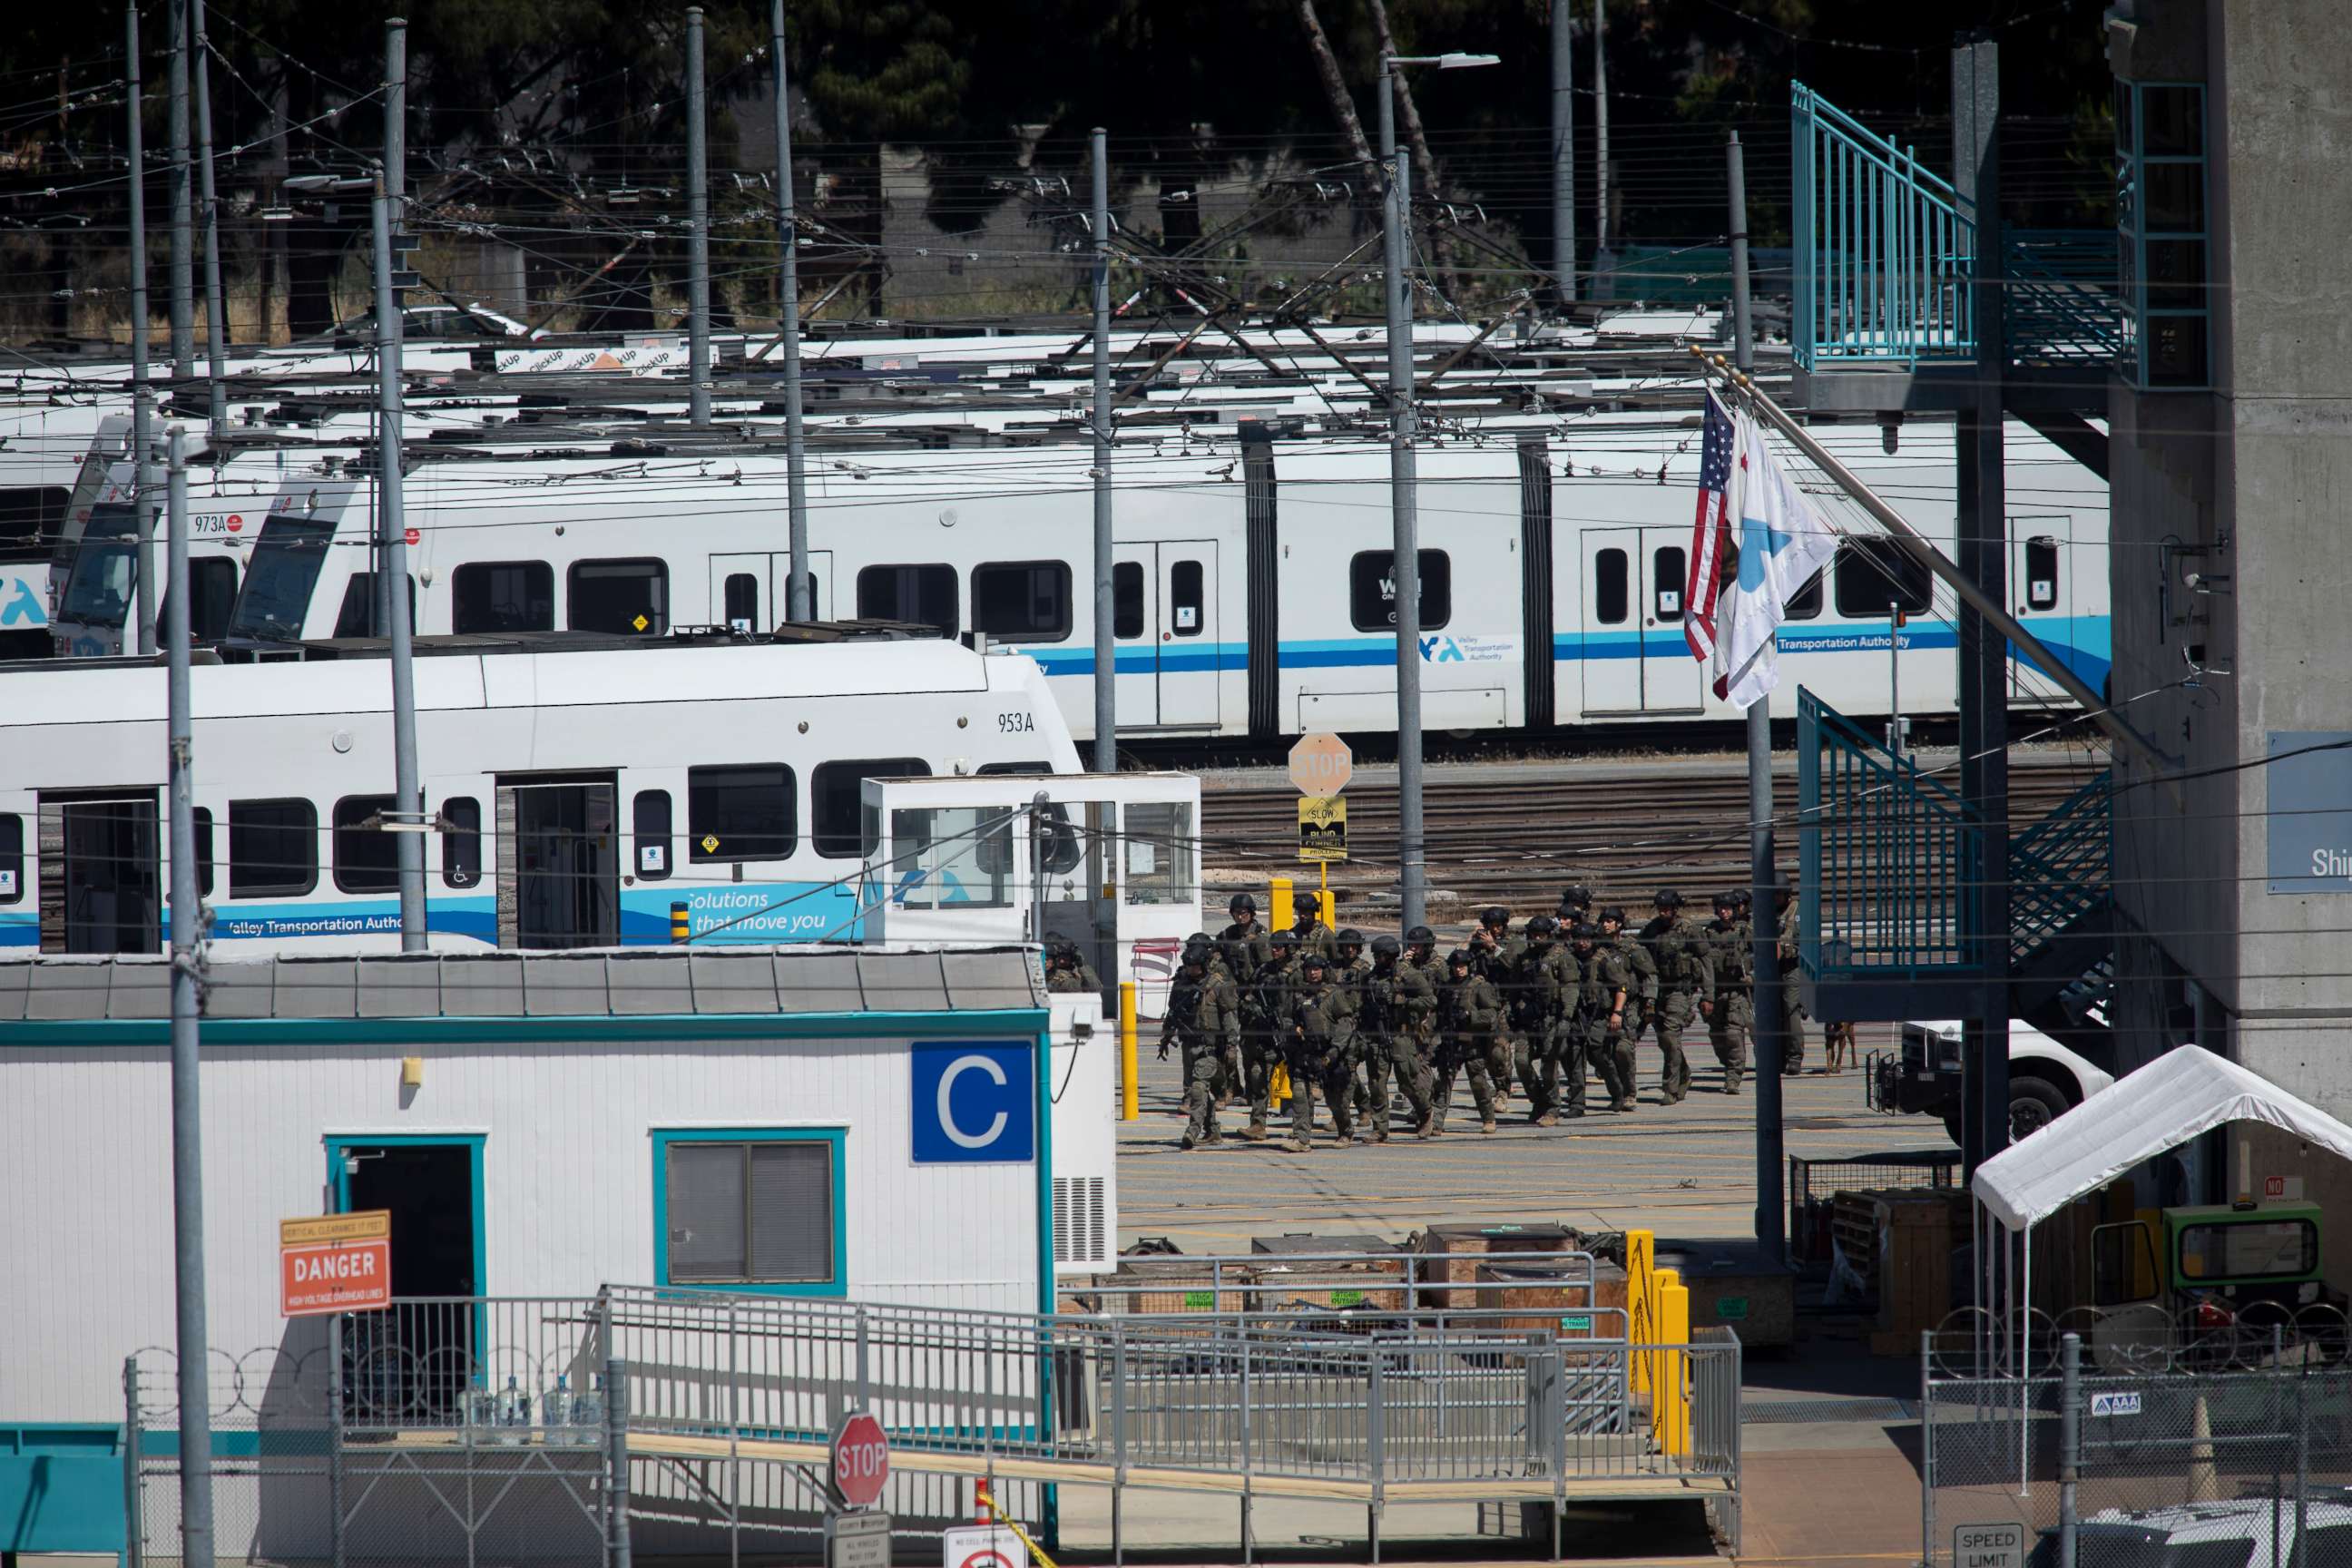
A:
x: 974, y: 1103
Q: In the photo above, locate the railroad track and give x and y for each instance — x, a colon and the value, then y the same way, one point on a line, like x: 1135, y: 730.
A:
x: 1518, y: 836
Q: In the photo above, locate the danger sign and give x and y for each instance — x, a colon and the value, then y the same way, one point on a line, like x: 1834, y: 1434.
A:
x: 334, y: 1263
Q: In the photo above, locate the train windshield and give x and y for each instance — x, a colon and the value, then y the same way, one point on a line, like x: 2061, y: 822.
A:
x: 286, y: 562
x: 104, y: 569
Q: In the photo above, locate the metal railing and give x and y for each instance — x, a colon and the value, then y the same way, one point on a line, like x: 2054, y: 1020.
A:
x: 2062, y: 298
x: 1884, y: 248
x: 2060, y: 867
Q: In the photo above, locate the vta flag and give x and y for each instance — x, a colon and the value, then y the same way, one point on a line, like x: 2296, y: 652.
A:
x: 1710, y: 532
x: 1783, y: 540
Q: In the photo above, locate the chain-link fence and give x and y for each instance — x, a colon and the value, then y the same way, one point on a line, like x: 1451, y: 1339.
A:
x: 2185, y: 1460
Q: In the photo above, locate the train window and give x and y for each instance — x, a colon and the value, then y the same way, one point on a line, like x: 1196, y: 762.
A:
x: 461, y: 841
x: 212, y: 586
x: 1874, y: 572
x: 367, y: 857
x: 502, y: 596
x: 649, y: 821
x: 1805, y: 604
x: 273, y: 848
x: 105, y: 569
x: 357, y: 618
x: 203, y: 833
x: 741, y: 813
x: 925, y: 596
x: 12, y: 859
x: 276, y: 599
x: 1028, y: 601
x: 618, y: 597
x: 109, y: 889
x: 1187, y: 598
x: 1127, y: 599
x: 1039, y: 767
x: 31, y: 513
x: 2041, y: 573
x: 1666, y: 583
x: 836, y: 802
x: 741, y: 598
x: 1372, y: 590
x: 1612, y: 599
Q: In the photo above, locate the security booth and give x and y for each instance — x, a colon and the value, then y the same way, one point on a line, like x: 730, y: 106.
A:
x: 1109, y: 861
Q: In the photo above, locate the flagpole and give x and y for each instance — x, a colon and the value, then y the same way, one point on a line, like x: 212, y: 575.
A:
x: 1768, y: 1017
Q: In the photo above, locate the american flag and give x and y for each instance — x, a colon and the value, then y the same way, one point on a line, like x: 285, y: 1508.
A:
x: 1710, y: 531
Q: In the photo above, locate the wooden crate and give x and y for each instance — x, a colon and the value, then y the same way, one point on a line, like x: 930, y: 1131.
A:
x: 1371, y: 1281
x: 1732, y: 1286
x: 1913, y: 1250
x: 1175, y: 1285
x: 1535, y: 1298
x: 1458, y: 1247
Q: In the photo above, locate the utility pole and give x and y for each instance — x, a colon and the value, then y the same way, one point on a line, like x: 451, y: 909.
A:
x: 1763, y: 879
x: 183, y: 342
x: 215, y: 302
x: 395, y: 189
x: 697, y: 231
x: 800, y: 598
x: 1563, y: 156
x: 187, y: 1123
x: 1106, y: 609
x: 1405, y: 568
x: 408, y: 817
x: 142, y: 396
x: 1603, y: 264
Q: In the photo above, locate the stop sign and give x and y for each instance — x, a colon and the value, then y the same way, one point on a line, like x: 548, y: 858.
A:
x: 1320, y: 765
x: 861, y: 1459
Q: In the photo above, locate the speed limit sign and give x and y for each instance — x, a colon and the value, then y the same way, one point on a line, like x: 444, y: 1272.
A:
x: 861, y: 1459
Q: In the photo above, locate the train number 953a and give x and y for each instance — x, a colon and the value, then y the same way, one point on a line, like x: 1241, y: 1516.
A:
x: 1022, y: 723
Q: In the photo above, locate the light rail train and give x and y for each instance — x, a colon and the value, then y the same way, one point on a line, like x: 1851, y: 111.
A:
x: 1252, y: 585
x: 582, y: 796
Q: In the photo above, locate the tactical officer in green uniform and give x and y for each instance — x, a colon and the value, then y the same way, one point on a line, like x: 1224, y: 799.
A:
x: 1607, y: 1004
x: 1792, y: 1009
x: 1066, y: 970
x: 1470, y: 1021
x: 1575, y: 905
x: 1542, y: 997
x: 1245, y: 945
x: 1399, y: 1002
x: 1731, y: 1011
x: 1307, y: 920
x: 1204, y: 1018
x: 1265, y: 1021
x: 1321, y: 1045
x: 1686, y: 968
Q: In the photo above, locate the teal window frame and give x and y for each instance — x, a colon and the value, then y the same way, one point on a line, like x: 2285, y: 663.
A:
x: 2133, y: 234
x: 836, y: 1136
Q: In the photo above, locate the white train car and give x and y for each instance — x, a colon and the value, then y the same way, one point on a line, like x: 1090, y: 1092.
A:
x: 588, y: 797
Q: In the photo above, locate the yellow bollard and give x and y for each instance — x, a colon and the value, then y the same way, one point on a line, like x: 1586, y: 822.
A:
x: 1130, y: 1093
x: 1279, y: 893
x: 1675, y: 1371
x: 1655, y: 1352
x: 1641, y: 1260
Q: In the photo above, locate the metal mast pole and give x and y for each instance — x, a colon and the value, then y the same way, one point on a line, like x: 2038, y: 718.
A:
x: 216, y: 303
x: 1106, y: 610
x: 1601, y: 151
x: 697, y: 231
x: 1563, y: 156
x: 1770, y: 1224
x: 1405, y: 569
x: 800, y: 598
x: 187, y: 1126
x: 142, y: 397
x: 184, y: 342
x: 409, y: 802
x: 396, y: 185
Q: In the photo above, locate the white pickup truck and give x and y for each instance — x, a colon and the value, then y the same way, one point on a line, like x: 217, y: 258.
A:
x: 2046, y: 1080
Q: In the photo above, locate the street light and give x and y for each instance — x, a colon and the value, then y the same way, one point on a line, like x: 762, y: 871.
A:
x: 1396, y: 207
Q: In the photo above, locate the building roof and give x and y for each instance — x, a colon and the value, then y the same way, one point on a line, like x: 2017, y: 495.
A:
x: 599, y: 983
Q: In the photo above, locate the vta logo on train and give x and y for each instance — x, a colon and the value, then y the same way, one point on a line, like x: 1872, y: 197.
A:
x: 1464, y: 650
x: 19, y: 605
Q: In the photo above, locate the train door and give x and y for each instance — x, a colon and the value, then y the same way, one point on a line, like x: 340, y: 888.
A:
x: 1672, y: 681
x: 749, y: 591
x: 101, y: 875
x: 1612, y: 634
x: 1081, y: 893
x: 1164, y: 626
x: 559, y: 866
x: 2041, y: 593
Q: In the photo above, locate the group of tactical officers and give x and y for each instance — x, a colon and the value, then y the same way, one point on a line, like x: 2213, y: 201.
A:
x: 1536, y: 1009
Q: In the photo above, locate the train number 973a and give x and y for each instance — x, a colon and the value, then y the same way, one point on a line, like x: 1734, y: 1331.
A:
x: 1022, y: 723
